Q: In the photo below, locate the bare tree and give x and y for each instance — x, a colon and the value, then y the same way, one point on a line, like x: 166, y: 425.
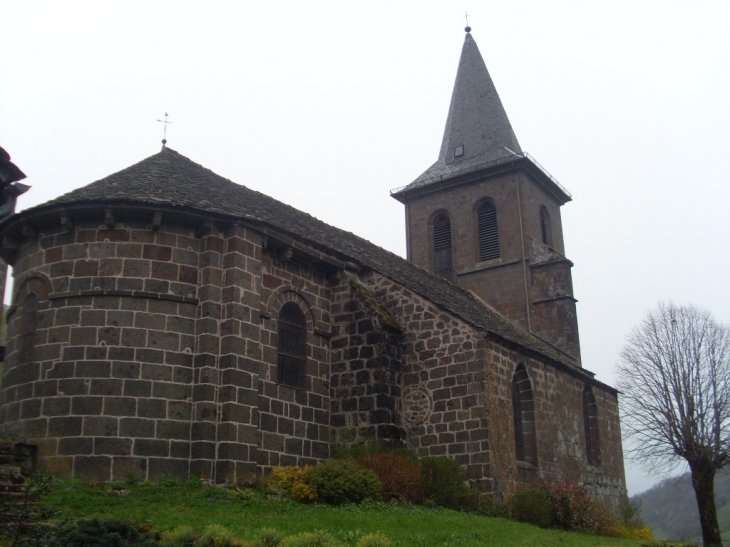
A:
x: 674, y: 376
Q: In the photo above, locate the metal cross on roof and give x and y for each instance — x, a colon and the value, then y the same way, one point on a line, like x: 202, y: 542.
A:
x: 164, y: 135
x: 466, y: 16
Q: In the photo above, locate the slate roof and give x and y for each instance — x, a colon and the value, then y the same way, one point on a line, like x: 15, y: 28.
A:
x: 477, y: 120
x: 170, y: 179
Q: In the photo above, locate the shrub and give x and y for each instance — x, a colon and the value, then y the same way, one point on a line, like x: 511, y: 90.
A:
x: 182, y: 536
x: 531, y: 506
x: 270, y: 537
x: 100, y: 533
x: 637, y: 531
x: 295, y: 481
x: 442, y: 481
x: 376, y: 539
x: 489, y: 507
x: 344, y: 481
x: 571, y: 507
x: 311, y: 539
x: 608, y: 522
x: 399, y: 475
x: 216, y: 535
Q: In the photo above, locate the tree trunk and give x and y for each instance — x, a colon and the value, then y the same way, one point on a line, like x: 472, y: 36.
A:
x: 703, y: 482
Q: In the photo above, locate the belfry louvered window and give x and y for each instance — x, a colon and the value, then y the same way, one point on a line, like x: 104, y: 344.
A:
x: 292, y: 346
x: 545, y: 226
x: 443, y: 260
x: 488, y: 232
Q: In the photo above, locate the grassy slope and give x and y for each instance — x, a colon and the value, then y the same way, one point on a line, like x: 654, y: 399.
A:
x: 171, y: 506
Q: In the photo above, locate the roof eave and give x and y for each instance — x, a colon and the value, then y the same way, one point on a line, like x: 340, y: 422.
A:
x: 515, y: 162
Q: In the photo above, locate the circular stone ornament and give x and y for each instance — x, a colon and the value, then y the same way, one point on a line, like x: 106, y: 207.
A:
x: 417, y: 405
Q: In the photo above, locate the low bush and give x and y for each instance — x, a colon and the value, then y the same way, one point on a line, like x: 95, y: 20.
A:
x: 270, y: 537
x: 100, y: 533
x: 637, y: 531
x: 399, y: 475
x: 295, y: 481
x: 216, y: 535
x: 531, y: 506
x: 344, y: 481
x: 608, y: 522
x: 182, y: 536
x: 571, y: 507
x: 376, y: 539
x: 443, y: 483
x: 311, y: 539
x: 489, y: 507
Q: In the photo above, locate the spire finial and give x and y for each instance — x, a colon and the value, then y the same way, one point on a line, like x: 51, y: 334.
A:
x: 467, y: 28
x: 164, y: 135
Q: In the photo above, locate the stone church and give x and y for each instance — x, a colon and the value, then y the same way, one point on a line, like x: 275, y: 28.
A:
x: 166, y: 321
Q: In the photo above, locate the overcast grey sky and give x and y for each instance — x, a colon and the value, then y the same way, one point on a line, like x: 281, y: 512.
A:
x: 328, y: 106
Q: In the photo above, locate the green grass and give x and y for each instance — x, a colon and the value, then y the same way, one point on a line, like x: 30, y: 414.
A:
x: 168, y: 506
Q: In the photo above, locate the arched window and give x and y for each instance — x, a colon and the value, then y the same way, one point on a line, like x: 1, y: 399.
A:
x: 590, y: 423
x: 523, y: 416
x: 442, y: 254
x: 292, y: 346
x: 488, y: 231
x: 545, y: 231
x: 28, y: 324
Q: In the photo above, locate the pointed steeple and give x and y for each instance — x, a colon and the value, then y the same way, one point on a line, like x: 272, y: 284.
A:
x: 477, y: 128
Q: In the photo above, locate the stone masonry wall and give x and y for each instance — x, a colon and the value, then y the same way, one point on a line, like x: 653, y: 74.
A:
x: 108, y: 391
x: 443, y: 401
x: 561, y: 444
x: 155, y: 353
x: 366, y: 370
x: 294, y: 423
x: 456, y: 401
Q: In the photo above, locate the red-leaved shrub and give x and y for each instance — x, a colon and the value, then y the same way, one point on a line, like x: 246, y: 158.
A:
x: 571, y: 506
x: 399, y: 475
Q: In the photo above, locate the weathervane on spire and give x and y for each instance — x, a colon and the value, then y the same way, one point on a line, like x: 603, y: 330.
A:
x: 467, y: 28
x: 164, y: 135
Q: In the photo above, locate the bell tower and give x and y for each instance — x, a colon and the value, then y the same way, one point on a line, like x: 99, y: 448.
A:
x: 486, y: 215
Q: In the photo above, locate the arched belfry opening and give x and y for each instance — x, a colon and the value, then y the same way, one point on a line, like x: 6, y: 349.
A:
x: 443, y: 256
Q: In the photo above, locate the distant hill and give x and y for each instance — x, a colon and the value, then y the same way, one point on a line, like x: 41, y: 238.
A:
x: 670, y: 508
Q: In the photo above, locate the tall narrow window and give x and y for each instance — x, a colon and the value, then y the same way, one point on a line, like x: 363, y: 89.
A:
x: 28, y: 325
x: 545, y: 226
x: 590, y: 423
x: 442, y: 255
x: 292, y: 346
x: 523, y: 417
x: 488, y: 231
x: 517, y: 419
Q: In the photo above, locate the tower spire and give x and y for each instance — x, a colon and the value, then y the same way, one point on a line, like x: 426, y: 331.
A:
x: 477, y: 128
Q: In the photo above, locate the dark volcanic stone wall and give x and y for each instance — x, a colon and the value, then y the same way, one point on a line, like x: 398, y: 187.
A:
x: 154, y: 353
x: 366, y: 370
x: 456, y: 401
x: 108, y: 392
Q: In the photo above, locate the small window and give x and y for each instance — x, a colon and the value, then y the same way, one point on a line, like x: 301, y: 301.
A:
x: 523, y: 417
x: 545, y: 226
x: 590, y: 422
x: 459, y: 151
x: 443, y: 257
x: 292, y: 346
x: 29, y: 322
x: 488, y: 231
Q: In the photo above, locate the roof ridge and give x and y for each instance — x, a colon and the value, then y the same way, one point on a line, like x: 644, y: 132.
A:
x: 170, y: 179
